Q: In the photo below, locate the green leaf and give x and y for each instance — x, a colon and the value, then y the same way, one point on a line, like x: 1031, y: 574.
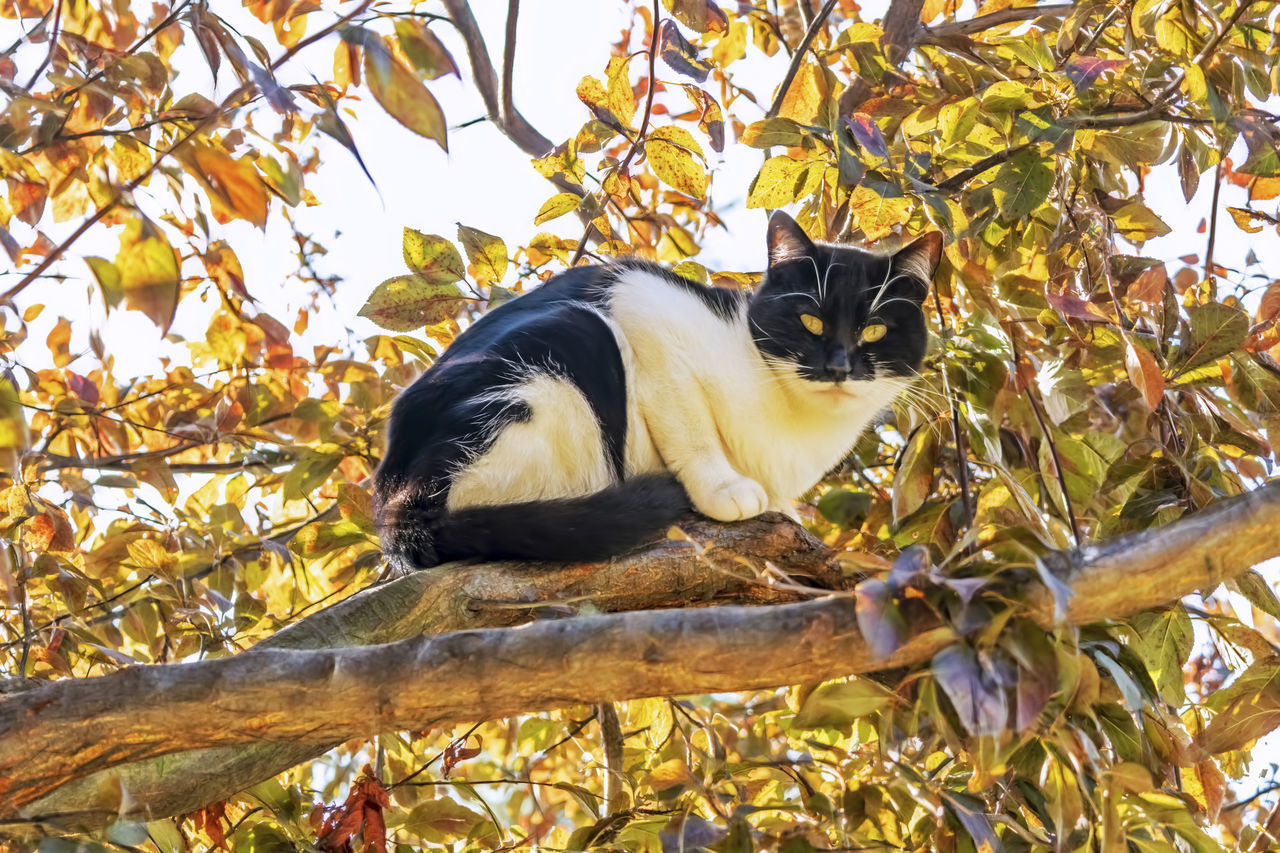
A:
x: 432, y: 257
x: 913, y: 480
x: 408, y: 302
x: 671, y: 151
x: 781, y: 181
x: 487, y: 253
x: 845, y: 508
x: 1022, y: 185
x: 108, y: 277
x: 423, y: 50
x: 773, y: 131
x: 398, y: 89
x: 1164, y: 642
x: 1216, y: 330
x: 1255, y: 588
x: 556, y: 206
x: 841, y: 704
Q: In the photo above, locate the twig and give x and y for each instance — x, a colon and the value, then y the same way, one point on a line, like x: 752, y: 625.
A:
x: 799, y: 56
x: 654, y: 41
x: 53, y: 45
x: 615, y: 799
x: 932, y: 35
x: 199, y: 127
x: 962, y: 451
x: 1209, y: 275
x: 1057, y: 465
x: 959, y: 179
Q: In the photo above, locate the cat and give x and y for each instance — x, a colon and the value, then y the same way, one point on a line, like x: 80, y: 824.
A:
x: 584, y: 418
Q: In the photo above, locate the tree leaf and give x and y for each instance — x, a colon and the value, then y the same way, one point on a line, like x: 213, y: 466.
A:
x: 841, y: 704
x: 913, y: 481
x: 1164, y: 643
x: 879, y: 618
x: 408, y: 302
x: 681, y: 56
x: 233, y: 186
x: 1245, y: 711
x: 1255, y: 588
x: 423, y: 50
x: 1144, y: 373
x: 398, y: 89
x: 781, y: 181
x: 671, y: 152
x: 556, y: 206
x: 1022, y: 185
x: 978, y: 701
x: 148, y: 270
x: 772, y: 131
x: 1216, y: 330
x: 487, y: 253
x: 432, y: 257
x: 704, y: 16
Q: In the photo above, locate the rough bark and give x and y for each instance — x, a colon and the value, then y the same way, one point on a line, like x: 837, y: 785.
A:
x: 311, y: 698
x: 716, y: 564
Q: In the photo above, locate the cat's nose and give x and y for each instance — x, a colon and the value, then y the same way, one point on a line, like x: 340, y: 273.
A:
x: 838, y: 364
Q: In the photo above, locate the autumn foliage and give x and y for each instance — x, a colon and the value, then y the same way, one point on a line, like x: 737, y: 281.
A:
x: 1085, y: 381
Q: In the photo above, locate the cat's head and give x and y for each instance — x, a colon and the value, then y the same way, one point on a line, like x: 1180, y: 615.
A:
x: 839, y: 316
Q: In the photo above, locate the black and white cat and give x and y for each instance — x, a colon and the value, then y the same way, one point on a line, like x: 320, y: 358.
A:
x: 582, y: 419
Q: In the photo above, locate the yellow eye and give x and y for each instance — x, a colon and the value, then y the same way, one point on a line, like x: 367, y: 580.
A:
x: 873, y: 333
x: 811, y: 323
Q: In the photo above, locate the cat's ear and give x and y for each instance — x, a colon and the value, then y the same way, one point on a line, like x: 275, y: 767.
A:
x: 787, y: 239
x: 920, y: 258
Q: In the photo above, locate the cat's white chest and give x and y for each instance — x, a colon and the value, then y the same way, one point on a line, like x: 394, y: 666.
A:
x: 790, y: 443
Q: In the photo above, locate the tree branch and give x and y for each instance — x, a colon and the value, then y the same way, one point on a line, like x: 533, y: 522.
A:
x: 944, y: 32
x: 307, y: 699
x: 718, y: 563
x: 798, y: 57
x: 505, y: 116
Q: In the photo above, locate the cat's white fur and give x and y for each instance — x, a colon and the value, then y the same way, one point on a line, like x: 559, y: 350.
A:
x: 740, y: 434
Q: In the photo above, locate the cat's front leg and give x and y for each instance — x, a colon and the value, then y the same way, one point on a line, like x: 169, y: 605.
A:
x: 719, y: 492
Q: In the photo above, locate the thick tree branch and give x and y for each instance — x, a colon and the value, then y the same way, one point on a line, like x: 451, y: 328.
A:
x: 296, y: 698
x: 716, y: 564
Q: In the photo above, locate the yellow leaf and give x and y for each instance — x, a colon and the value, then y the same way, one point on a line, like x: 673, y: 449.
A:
x: 556, y: 206
x: 781, y: 181
x: 398, y: 90
x: 148, y: 272
x: 671, y: 151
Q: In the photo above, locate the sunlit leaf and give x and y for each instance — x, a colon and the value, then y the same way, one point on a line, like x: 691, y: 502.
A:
x: 409, y: 302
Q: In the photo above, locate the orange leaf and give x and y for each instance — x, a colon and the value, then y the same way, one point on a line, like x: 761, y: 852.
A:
x: 1144, y: 373
x: 1149, y: 286
x: 233, y: 186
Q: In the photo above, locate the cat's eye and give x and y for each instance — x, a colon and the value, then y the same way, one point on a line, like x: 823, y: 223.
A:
x: 873, y: 333
x: 811, y: 323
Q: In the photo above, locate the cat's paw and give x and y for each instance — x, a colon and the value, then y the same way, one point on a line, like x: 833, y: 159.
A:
x: 731, y: 500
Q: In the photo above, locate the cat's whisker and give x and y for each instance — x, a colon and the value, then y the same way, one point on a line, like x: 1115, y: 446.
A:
x: 888, y: 280
x: 822, y: 290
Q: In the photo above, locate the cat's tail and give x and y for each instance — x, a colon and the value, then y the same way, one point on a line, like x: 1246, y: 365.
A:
x: 570, y: 530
